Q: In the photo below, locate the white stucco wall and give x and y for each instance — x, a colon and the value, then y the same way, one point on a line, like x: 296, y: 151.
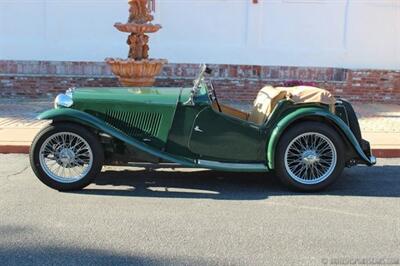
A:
x: 334, y: 33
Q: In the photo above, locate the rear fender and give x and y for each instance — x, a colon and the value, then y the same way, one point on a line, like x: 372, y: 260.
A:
x: 72, y: 115
x: 302, y: 114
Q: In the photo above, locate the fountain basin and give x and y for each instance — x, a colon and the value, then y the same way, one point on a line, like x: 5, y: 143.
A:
x: 137, y: 28
x: 136, y: 73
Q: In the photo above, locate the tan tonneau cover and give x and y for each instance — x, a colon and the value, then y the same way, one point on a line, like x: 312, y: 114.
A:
x: 269, y: 96
x: 308, y: 94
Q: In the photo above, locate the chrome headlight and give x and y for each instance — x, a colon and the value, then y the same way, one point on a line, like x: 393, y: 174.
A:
x: 63, y: 100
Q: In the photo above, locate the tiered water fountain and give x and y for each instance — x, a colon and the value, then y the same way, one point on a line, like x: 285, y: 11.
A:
x: 138, y: 69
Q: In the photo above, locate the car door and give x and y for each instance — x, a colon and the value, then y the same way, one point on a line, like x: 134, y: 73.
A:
x: 216, y: 136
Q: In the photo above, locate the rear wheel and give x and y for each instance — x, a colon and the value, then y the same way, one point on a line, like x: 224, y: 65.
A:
x: 66, y: 156
x: 310, y: 156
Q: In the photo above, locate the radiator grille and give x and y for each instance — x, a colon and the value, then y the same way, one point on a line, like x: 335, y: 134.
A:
x: 135, y: 123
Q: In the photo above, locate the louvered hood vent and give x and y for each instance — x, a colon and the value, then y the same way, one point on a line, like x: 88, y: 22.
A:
x: 137, y: 124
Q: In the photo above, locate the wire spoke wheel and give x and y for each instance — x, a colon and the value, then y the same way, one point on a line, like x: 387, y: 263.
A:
x: 310, y: 158
x: 66, y: 157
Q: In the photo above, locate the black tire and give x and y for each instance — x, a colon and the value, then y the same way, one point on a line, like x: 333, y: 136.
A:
x: 89, y: 137
x: 298, y: 130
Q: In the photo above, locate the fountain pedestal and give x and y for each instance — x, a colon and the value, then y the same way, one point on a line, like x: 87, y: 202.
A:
x: 138, y: 69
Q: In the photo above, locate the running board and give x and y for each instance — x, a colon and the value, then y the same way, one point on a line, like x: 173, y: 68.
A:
x: 213, y: 165
x: 233, y: 167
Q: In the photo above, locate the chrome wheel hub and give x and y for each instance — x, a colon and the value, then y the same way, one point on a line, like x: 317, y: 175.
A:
x: 310, y: 158
x: 66, y: 157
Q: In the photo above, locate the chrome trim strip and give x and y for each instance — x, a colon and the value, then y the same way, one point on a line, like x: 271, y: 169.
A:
x: 154, y: 165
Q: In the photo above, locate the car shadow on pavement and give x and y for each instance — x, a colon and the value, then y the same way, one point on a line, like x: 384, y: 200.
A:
x: 183, y: 184
x: 378, y: 181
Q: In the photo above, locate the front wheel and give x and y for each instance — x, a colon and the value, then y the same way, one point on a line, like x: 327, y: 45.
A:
x: 310, y: 156
x: 66, y: 156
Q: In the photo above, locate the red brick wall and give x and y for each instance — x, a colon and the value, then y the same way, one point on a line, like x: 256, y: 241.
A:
x: 236, y: 82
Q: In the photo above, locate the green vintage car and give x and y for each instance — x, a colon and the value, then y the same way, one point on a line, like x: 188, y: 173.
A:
x: 302, y: 134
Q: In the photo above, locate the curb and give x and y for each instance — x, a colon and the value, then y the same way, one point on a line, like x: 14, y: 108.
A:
x: 24, y: 149
x: 386, y: 153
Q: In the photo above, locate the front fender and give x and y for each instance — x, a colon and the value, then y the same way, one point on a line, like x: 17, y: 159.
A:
x: 285, y: 122
x: 66, y: 114
x: 72, y: 115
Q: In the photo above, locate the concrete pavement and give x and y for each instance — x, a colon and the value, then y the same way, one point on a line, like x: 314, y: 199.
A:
x: 186, y: 217
x: 380, y: 125
x: 18, y: 124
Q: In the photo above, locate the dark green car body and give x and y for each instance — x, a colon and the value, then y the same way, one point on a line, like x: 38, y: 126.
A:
x: 155, y: 125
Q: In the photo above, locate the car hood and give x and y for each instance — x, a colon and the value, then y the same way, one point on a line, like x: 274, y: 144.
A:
x: 151, y: 95
x: 148, y: 112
